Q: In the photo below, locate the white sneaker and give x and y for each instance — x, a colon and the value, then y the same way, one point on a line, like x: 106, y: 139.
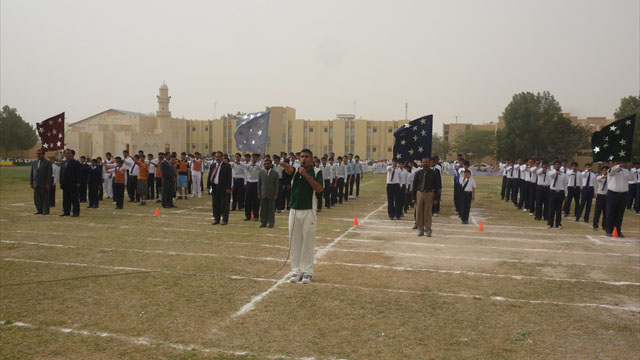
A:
x: 306, y: 279
x: 435, y: 215
x: 295, y: 278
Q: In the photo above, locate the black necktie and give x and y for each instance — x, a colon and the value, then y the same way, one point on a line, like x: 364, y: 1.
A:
x: 588, y: 179
x: 544, y: 177
x: 605, y: 184
x: 393, y: 173
x: 556, y: 179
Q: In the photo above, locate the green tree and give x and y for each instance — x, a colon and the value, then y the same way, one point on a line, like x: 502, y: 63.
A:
x: 476, y: 144
x: 534, y: 126
x: 628, y: 106
x: 15, y: 133
x: 439, y: 146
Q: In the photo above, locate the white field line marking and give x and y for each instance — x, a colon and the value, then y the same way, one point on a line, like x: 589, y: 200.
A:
x: 471, y: 273
x: 494, y: 298
x: 542, y: 262
x: 145, y: 341
x: 41, y: 233
x: 626, y: 230
x: 319, y: 253
x: 233, y: 277
x: 473, y: 220
x: 491, y: 247
x: 592, y: 238
x: 367, y: 183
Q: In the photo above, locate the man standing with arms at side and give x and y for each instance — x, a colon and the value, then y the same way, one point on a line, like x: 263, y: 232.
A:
x: 302, y: 218
x: 393, y: 189
x: 40, y: 181
x: 219, y: 180
x: 168, y: 180
x: 70, y: 183
x: 238, y: 172
x: 268, y: 183
x: 617, y: 192
x: 426, y: 183
x: 358, y: 174
x: 587, y: 179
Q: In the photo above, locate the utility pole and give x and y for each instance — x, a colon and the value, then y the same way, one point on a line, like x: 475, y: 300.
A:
x: 214, y: 110
x: 457, y: 116
x: 406, y: 111
x: 354, y: 109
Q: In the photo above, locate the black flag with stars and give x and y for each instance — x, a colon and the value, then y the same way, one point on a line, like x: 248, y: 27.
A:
x: 251, y: 132
x: 614, y: 141
x: 413, y: 140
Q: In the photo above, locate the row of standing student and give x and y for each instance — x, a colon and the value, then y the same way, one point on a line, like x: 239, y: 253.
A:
x: 547, y: 192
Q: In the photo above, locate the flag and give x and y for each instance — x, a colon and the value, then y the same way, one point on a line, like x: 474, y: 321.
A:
x: 413, y: 140
x: 51, y: 133
x: 251, y: 132
x: 614, y: 141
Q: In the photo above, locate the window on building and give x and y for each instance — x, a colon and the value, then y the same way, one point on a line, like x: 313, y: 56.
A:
x: 206, y: 146
x: 193, y: 146
x: 310, y: 129
x: 390, y: 130
x: 375, y: 149
x: 284, y: 138
x: 326, y: 129
x: 193, y: 129
x: 389, y: 149
x: 206, y: 128
x: 375, y: 130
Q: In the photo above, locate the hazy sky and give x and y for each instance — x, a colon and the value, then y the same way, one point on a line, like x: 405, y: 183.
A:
x: 448, y: 58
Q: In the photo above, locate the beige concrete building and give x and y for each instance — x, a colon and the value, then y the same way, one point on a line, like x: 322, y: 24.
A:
x: 115, y: 130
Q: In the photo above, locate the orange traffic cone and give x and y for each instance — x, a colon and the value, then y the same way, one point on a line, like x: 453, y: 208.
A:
x: 251, y: 216
x: 157, y: 212
x: 480, y: 227
x: 615, y: 232
x: 355, y: 221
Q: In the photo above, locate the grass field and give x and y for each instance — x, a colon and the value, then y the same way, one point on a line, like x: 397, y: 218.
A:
x: 125, y: 284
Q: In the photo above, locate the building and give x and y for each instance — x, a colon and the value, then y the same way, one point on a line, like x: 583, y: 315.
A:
x: 115, y: 130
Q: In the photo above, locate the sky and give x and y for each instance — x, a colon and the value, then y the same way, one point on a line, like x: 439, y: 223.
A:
x: 447, y: 58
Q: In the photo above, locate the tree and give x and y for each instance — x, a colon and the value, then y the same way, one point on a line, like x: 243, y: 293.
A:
x: 535, y: 127
x: 439, y: 146
x: 476, y: 144
x: 628, y: 106
x: 15, y: 133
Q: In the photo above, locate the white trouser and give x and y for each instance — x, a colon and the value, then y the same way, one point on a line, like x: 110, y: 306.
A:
x: 107, y: 185
x: 196, y: 177
x: 302, y: 235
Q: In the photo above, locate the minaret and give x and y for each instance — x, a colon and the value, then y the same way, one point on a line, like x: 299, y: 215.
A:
x: 163, y: 101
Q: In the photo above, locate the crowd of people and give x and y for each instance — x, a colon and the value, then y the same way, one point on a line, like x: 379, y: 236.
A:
x: 547, y: 190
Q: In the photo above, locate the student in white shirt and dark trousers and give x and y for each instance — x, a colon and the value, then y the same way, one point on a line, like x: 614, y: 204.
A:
x: 393, y: 191
x: 542, y: 191
x: 634, y: 188
x: 468, y: 191
x: 587, y: 179
x: 601, y: 199
x: 573, y: 189
x: 617, y: 193
x: 558, y: 194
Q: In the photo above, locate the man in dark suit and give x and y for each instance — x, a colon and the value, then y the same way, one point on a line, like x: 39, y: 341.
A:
x: 40, y: 181
x: 219, y: 180
x: 268, y: 183
x: 94, y: 179
x: 70, y: 183
x: 84, y: 177
x: 168, y: 180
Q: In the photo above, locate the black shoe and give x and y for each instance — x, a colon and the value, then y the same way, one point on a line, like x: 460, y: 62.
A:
x: 119, y: 208
x: 415, y: 227
x: 245, y: 219
x: 263, y: 225
x: 270, y: 226
x: 37, y: 213
x: 224, y: 223
x: 620, y: 235
x: 216, y: 222
x: 279, y: 211
x: 64, y: 214
x: 75, y: 215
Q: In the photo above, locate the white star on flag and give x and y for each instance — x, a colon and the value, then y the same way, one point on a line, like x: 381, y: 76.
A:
x: 420, y: 149
x: 253, y: 142
x: 605, y: 145
x: 259, y: 132
x: 50, y: 122
x: 48, y: 134
x: 596, y: 149
x: 399, y: 156
x: 403, y: 142
x: 622, y: 142
x: 411, y: 151
x: 628, y: 122
x: 606, y: 138
x: 415, y: 128
x: 617, y: 132
x: 59, y: 143
x: 45, y: 145
x: 60, y: 135
x: 621, y: 153
x: 407, y: 125
x: 54, y: 131
x: 610, y: 157
x: 613, y: 128
x: 423, y: 121
x: 59, y: 120
x: 415, y: 138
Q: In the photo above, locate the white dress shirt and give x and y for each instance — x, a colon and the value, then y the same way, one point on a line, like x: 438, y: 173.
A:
x: 618, y: 179
x: 393, y: 175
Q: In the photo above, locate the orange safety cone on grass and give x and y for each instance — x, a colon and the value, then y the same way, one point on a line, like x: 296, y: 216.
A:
x: 615, y: 232
x: 355, y: 220
x: 480, y: 227
x: 252, y: 216
x: 157, y: 212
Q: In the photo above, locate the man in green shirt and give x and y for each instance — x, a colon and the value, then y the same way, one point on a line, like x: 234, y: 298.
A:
x: 302, y: 217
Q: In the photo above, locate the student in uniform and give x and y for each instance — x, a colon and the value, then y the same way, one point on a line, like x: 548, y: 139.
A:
x: 168, y: 173
x: 151, y: 177
x: 285, y: 183
x: 251, y: 203
x: 196, y: 176
x: 84, y: 175
x: 468, y: 191
x: 70, y: 183
x: 341, y: 172
x: 348, y: 183
x: 119, y: 174
x: 320, y: 179
x: 509, y: 171
x: 158, y: 176
x: 456, y: 182
x: 327, y: 182
x: 358, y: 175
x: 94, y: 179
x: 601, y: 199
x: 587, y: 180
x: 393, y: 190
x: 503, y: 169
x: 542, y: 191
x: 55, y: 170
x: 532, y: 186
x: 278, y: 169
x: 617, y: 193
x: 238, y: 171
x: 143, y: 177
x: 183, y: 175
x: 636, y: 207
x: 434, y: 164
x: 516, y: 182
x: 558, y: 194
x: 573, y: 188
x: 107, y: 165
x: 132, y: 175
x: 634, y: 183
x: 334, y: 182
x: 408, y: 185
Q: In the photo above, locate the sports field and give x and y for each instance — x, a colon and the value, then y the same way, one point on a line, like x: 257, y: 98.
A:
x: 125, y: 284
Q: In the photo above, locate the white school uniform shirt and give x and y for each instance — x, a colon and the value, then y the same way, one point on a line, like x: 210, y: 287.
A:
x: 523, y: 172
x: 509, y: 171
x: 635, y: 176
x: 152, y: 166
x: 471, y: 184
x: 55, y: 169
x: 543, y: 177
x: 618, y: 179
x: 410, y: 178
x: 573, y: 178
x: 502, y: 166
x: 128, y: 163
x: 341, y: 170
x: 533, y: 174
x: 393, y: 177
x: 601, y: 182
x: 587, y: 179
x: 403, y: 177
x: 558, y: 181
